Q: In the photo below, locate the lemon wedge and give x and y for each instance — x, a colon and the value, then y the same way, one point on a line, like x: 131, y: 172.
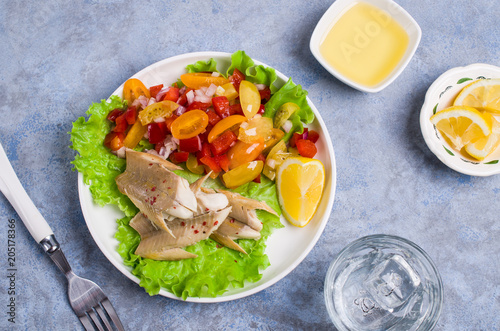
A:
x: 300, y: 184
x: 462, y: 125
x: 483, y: 94
x: 485, y: 146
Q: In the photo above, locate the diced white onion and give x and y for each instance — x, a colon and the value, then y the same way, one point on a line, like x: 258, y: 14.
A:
x: 151, y: 101
x: 215, y: 74
x: 190, y: 97
x: 211, y: 90
x: 159, y: 119
x: 143, y: 101
x: 287, y: 126
x: 180, y: 110
x: 260, y: 87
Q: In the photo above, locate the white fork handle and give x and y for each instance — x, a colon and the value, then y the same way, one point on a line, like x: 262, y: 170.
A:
x: 13, y: 190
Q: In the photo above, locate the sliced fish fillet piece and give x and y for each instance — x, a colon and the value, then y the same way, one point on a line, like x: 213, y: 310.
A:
x: 208, y: 200
x: 154, y: 189
x: 157, y: 242
x: 232, y: 229
x: 243, y: 209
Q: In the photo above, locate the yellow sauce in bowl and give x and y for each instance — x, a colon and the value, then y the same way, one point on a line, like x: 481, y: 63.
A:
x: 365, y: 44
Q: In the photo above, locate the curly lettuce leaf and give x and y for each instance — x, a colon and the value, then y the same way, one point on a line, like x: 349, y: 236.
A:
x: 291, y: 93
x: 200, y: 66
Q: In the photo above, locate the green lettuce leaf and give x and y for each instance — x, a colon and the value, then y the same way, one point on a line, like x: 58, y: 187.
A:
x: 200, y: 66
x: 291, y: 93
x: 241, y: 61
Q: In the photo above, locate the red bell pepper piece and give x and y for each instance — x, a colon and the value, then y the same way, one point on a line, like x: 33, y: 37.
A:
x: 236, y: 78
x: 157, y: 132
x: 236, y: 109
x: 211, y: 163
x: 121, y: 123
x: 190, y: 145
x: 265, y: 95
x: 221, y: 106
x: 312, y: 136
x: 222, y: 161
x: 198, y: 105
x: 257, y: 179
x: 114, y: 114
x: 131, y: 115
x: 222, y: 143
x: 306, y: 148
x: 114, y: 140
x: 205, y: 151
x: 262, y: 109
x: 153, y: 90
x: 172, y: 94
x: 261, y: 157
x: 179, y: 157
x: 298, y: 136
x: 213, y: 118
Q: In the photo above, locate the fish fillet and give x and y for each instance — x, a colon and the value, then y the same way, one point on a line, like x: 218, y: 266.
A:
x: 159, y: 243
x: 156, y: 190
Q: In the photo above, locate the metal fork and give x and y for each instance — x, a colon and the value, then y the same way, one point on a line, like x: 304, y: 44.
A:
x: 87, y: 299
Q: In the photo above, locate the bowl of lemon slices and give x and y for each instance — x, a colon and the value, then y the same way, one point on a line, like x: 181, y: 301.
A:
x: 460, y: 119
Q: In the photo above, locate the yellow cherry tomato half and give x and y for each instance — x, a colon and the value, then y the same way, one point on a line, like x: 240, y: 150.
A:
x: 249, y: 98
x: 228, y: 91
x: 135, y: 134
x: 242, y: 174
x: 190, y: 124
x: 195, y: 80
x: 193, y: 166
x: 159, y: 109
x: 134, y: 88
x: 228, y: 123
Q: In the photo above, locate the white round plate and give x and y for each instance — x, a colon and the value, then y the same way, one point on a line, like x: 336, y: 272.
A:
x: 441, y: 95
x: 286, y: 247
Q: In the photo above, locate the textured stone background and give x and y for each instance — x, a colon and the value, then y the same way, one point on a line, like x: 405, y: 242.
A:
x: 57, y: 58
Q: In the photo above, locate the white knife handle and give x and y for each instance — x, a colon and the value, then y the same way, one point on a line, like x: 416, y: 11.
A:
x: 14, y: 192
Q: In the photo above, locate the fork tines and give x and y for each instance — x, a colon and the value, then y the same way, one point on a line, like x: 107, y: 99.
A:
x: 98, y: 315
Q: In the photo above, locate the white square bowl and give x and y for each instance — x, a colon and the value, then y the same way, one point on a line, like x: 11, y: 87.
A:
x: 333, y: 14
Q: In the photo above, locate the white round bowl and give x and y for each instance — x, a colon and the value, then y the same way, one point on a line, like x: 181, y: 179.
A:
x: 441, y: 95
x: 333, y: 14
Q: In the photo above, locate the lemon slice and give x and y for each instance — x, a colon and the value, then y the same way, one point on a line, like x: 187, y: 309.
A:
x: 485, y: 146
x: 483, y: 94
x: 300, y: 184
x: 462, y: 125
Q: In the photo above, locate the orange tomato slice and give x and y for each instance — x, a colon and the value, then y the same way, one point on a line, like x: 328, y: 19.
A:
x: 190, y: 124
x: 249, y: 98
x: 224, y: 125
x: 195, y: 80
x: 133, y: 88
x: 243, y: 152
